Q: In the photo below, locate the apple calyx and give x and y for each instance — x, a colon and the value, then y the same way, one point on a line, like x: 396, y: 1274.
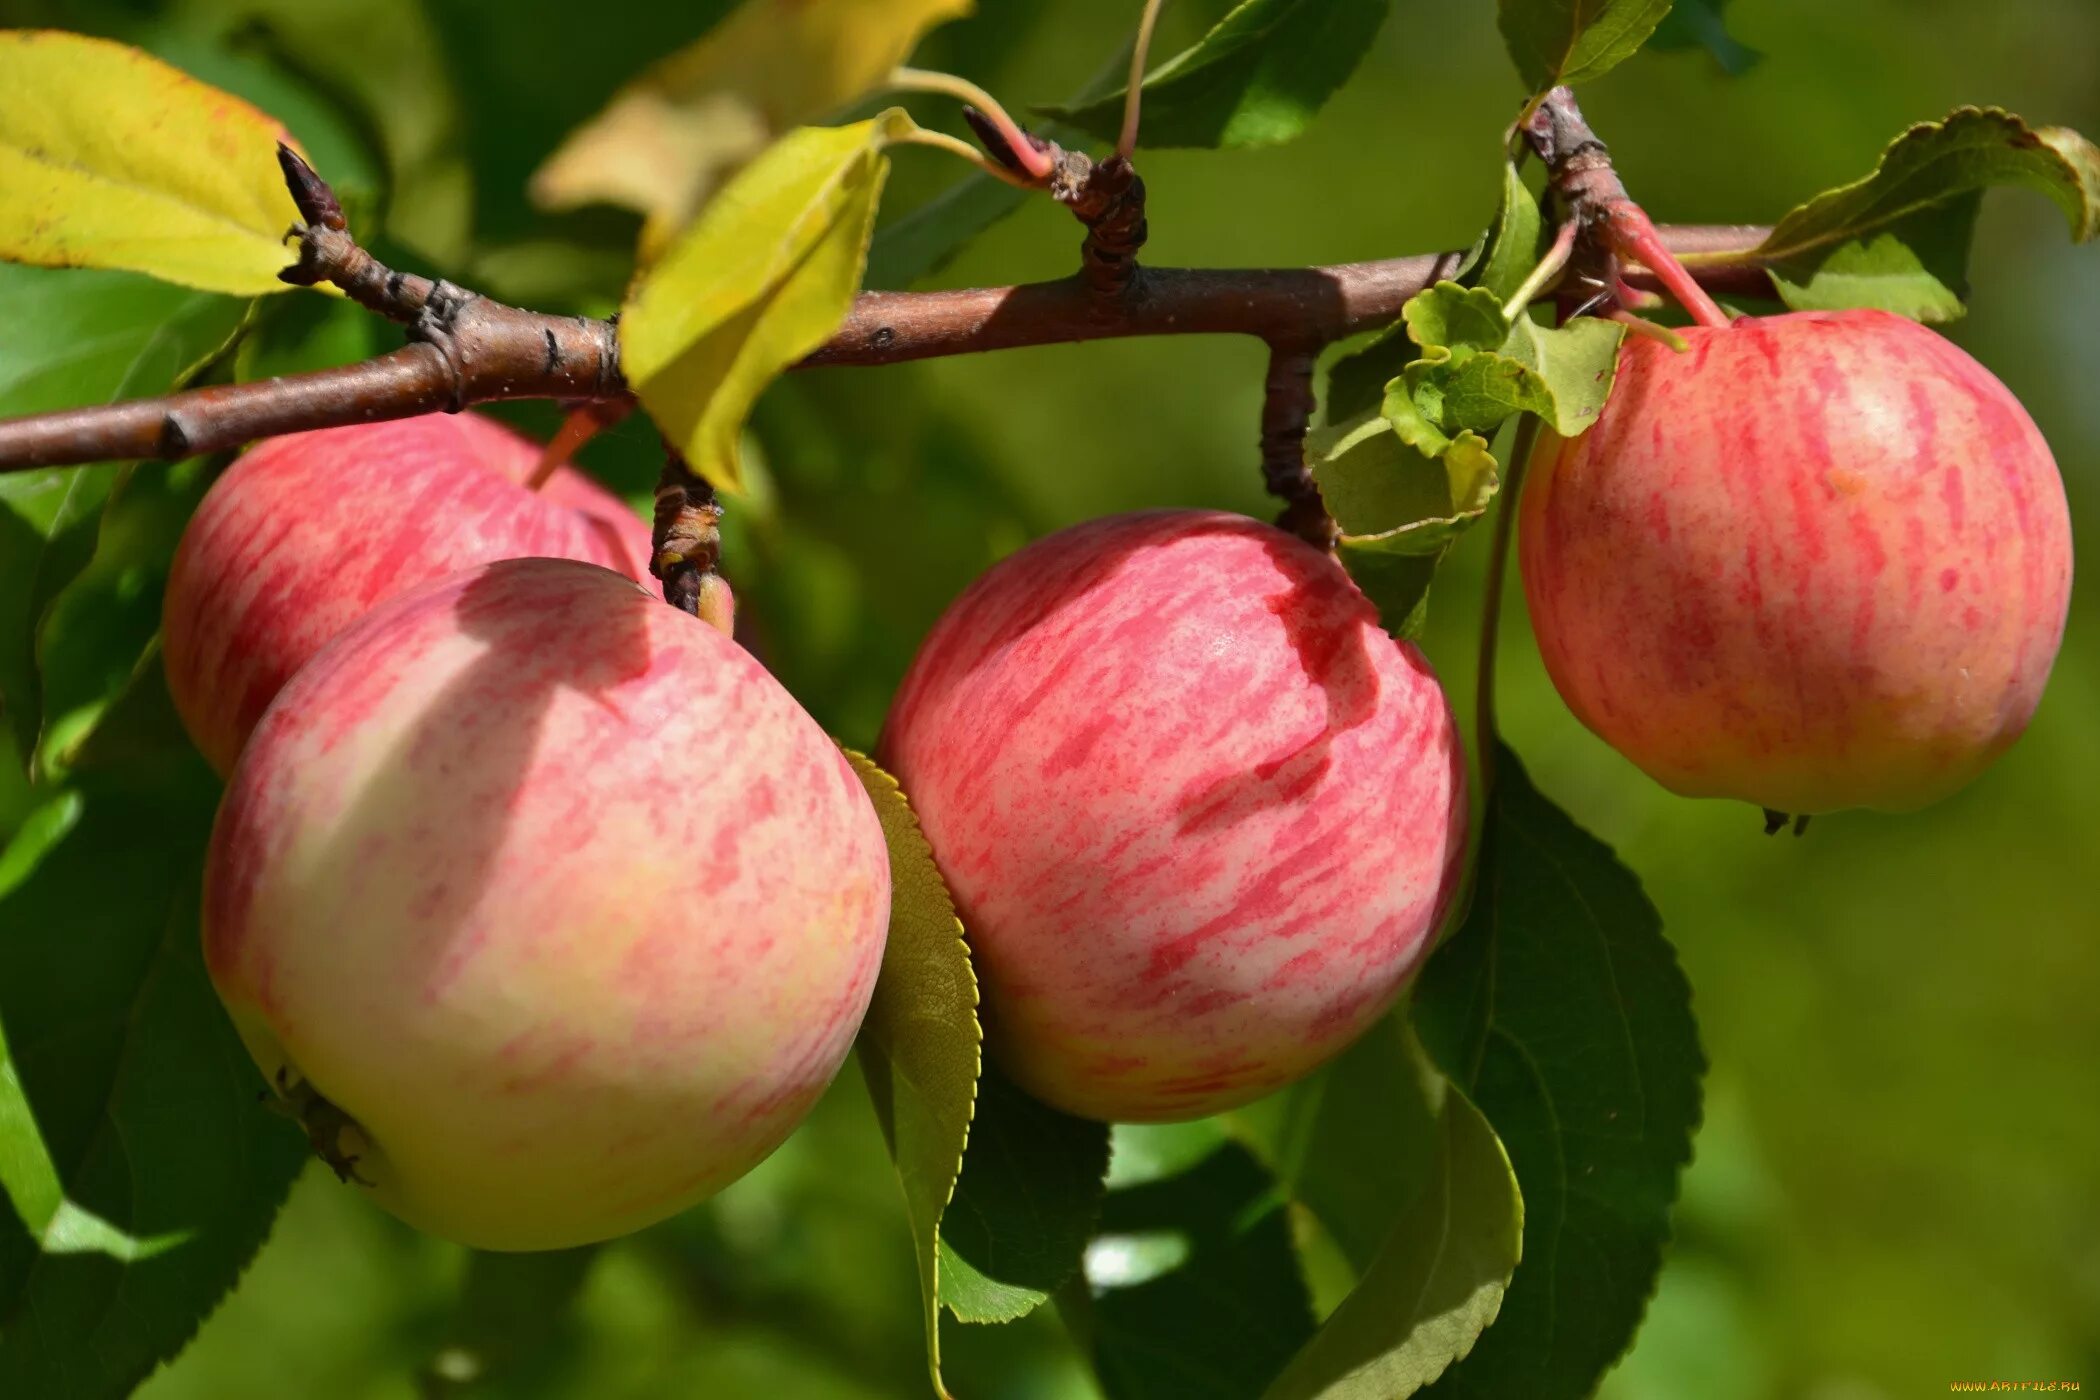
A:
x: 325, y: 1125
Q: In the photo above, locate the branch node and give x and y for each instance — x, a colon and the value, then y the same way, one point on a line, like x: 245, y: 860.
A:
x: 1109, y: 198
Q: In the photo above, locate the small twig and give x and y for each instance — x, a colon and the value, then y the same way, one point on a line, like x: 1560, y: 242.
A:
x: 1545, y: 274
x: 687, y: 544
x: 1286, y: 413
x: 467, y: 349
x: 1133, y: 96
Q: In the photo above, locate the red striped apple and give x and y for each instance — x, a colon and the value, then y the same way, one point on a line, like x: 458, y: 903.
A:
x: 1201, y: 816
x: 307, y: 533
x: 549, y: 907
x: 1817, y: 561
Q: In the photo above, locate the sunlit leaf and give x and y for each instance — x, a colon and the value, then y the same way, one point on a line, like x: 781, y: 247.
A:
x: 920, y: 1044
x: 667, y: 141
x: 111, y: 158
x: 1511, y: 248
x: 1899, y: 239
x: 1573, y: 41
x: 387, y: 57
x: 1435, y: 1285
x: 1577, y: 363
x: 1257, y: 78
x: 764, y: 277
x: 1559, y: 1009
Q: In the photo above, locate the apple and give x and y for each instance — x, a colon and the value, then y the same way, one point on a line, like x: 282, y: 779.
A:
x: 545, y: 904
x: 1200, y: 814
x: 307, y: 533
x: 1817, y: 561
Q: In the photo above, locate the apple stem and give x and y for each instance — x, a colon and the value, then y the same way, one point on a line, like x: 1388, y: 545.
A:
x: 1641, y: 325
x: 1022, y: 154
x: 1133, y: 96
x: 1550, y: 267
x: 1632, y: 234
x: 576, y: 430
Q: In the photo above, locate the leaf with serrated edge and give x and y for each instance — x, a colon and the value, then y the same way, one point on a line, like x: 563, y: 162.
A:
x: 1574, y: 41
x: 1512, y: 244
x: 1391, y: 497
x: 1258, y: 78
x: 1024, y: 1205
x: 1973, y: 149
x: 1435, y: 1285
x: 111, y: 158
x: 761, y: 279
x: 666, y: 142
x: 1559, y: 1009
x: 1456, y: 318
x: 920, y: 1044
x: 1576, y: 363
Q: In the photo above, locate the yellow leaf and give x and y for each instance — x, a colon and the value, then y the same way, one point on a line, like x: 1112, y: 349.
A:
x: 920, y: 1044
x: 111, y: 158
x: 668, y: 139
x: 763, y: 278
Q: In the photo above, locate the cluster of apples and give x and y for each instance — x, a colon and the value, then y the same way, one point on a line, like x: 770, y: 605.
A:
x: 553, y: 912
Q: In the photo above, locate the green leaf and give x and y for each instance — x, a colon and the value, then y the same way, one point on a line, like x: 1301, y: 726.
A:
x: 1576, y: 363
x: 1195, y: 1284
x: 103, y: 629
x: 1356, y: 383
x: 1699, y: 24
x: 41, y: 829
x: 1354, y: 1141
x: 666, y: 141
x: 1390, y: 496
x: 764, y: 277
x: 507, y: 1319
x: 1559, y: 1009
x: 1459, y: 319
x: 140, y: 1168
x: 1512, y: 245
x: 77, y: 338
x: 1024, y: 1205
x: 1573, y: 41
x: 1436, y: 1284
x: 920, y: 1044
x: 1899, y: 239
x: 922, y: 242
x: 1258, y: 78
x: 111, y: 158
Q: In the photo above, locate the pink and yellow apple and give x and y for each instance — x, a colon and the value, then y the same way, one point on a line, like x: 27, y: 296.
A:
x: 1200, y: 814
x: 307, y: 533
x: 552, y: 890
x: 1817, y: 561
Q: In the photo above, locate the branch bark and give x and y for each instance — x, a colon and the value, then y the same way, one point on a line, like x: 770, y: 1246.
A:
x: 467, y: 350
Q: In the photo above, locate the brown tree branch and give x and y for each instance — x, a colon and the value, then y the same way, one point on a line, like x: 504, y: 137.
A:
x: 467, y: 350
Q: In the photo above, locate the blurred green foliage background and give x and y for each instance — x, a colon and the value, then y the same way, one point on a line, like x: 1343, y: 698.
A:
x: 1898, y: 1184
